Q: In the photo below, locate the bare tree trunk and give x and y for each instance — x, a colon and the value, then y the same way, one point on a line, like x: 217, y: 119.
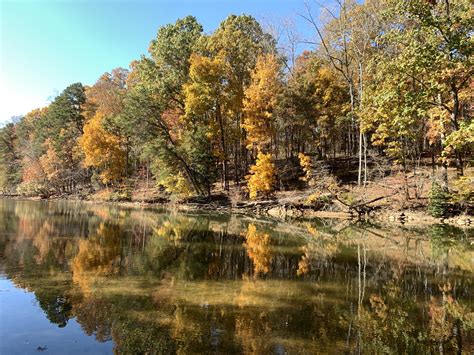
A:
x: 454, y: 120
x: 365, y: 158
x: 225, y: 181
x: 147, y: 176
x: 444, y: 164
x: 359, y: 175
x: 433, y: 160
x: 362, y: 136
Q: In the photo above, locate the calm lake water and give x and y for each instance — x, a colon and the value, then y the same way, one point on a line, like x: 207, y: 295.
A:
x: 79, y: 278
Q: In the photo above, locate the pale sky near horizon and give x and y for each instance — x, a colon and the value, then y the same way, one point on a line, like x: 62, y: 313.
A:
x: 47, y: 45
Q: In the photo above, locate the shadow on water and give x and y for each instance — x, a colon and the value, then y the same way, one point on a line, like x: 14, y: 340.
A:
x: 158, y: 282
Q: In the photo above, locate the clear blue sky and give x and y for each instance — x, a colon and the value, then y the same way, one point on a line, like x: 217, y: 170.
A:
x: 47, y: 45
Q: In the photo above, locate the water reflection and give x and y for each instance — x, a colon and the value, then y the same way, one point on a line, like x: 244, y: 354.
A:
x: 155, y: 282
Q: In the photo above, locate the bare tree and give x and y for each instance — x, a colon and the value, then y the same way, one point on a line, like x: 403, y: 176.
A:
x: 346, y: 40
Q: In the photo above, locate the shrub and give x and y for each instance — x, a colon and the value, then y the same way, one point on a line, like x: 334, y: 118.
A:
x: 175, y: 184
x: 305, y: 163
x: 262, y: 176
x: 318, y: 199
x: 463, y: 191
x: 438, y: 201
x: 32, y: 189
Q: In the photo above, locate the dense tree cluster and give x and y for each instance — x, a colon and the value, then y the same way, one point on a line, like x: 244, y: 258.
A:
x: 204, y: 110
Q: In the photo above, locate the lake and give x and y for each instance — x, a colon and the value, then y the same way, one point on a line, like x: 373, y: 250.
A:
x: 98, y: 279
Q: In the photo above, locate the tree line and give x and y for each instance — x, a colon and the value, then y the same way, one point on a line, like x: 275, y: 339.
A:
x: 231, y: 107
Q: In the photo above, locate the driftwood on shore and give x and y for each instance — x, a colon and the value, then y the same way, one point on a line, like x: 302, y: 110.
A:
x: 364, y: 208
x: 285, y: 210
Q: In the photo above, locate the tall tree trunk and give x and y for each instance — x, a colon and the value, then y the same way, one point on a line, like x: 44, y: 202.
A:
x: 225, y: 173
x: 444, y: 164
x: 455, y: 123
x: 364, y: 136
x: 359, y: 175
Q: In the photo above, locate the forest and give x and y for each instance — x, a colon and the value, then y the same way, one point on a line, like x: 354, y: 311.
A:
x: 384, y: 88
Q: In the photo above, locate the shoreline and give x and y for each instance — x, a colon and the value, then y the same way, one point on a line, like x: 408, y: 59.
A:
x: 274, y: 209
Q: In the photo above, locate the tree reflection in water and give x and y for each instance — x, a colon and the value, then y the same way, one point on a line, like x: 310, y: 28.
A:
x: 257, y: 245
x: 156, y: 282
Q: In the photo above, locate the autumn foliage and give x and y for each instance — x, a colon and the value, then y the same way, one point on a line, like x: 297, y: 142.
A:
x: 102, y: 150
x: 390, y: 81
x: 261, y: 101
x: 261, y: 180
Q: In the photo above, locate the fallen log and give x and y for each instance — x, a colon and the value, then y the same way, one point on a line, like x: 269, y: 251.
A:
x: 362, y: 209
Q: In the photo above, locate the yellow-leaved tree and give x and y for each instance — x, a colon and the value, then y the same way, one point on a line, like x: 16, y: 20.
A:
x: 259, y: 122
x: 262, y: 176
x: 260, y: 101
x: 51, y: 164
x: 102, y: 149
